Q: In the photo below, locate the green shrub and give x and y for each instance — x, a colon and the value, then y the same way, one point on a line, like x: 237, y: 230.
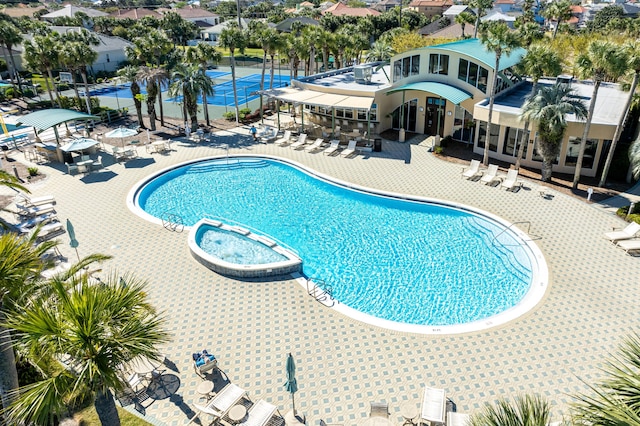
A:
x: 634, y: 216
x: 438, y: 150
x: 229, y: 115
x: 33, y: 171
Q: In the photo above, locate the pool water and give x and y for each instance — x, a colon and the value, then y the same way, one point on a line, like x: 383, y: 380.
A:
x: 411, y: 262
x: 232, y: 248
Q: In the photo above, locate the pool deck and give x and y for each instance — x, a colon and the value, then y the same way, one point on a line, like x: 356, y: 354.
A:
x: 342, y: 364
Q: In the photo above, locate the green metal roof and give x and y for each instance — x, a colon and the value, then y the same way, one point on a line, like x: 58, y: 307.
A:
x: 473, y: 48
x: 450, y: 93
x: 47, y: 118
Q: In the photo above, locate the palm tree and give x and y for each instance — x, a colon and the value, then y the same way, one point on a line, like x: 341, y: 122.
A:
x: 558, y: 11
x: 274, y: 45
x: 480, y: 6
x: 154, y: 78
x: 499, y: 39
x: 527, y: 410
x: 539, y: 61
x: 202, y: 54
x: 463, y: 19
x: 71, y: 59
x: 85, y: 56
x: 130, y: 75
x: 549, y: 107
x: 631, y: 51
x: 20, y: 267
x: 233, y: 38
x: 313, y: 39
x: 41, y: 53
x: 634, y: 158
x: 100, y: 327
x: 602, y: 60
x: 614, y: 398
x: 10, y: 36
x: 188, y: 82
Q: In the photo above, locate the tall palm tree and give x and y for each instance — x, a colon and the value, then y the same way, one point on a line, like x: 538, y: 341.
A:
x: 42, y: 54
x: 614, y: 398
x: 154, y: 78
x: 480, y: 6
x: 558, y: 11
x: 539, y: 61
x: 70, y: 58
x: 313, y: 39
x: 463, y: 19
x: 81, y: 43
x: 10, y: 36
x: 526, y: 410
x: 129, y: 74
x: 233, y: 38
x: 20, y: 267
x: 100, y: 327
x: 602, y: 60
x: 202, y: 54
x: 631, y: 52
x: 634, y: 158
x: 274, y: 45
x: 499, y: 39
x: 548, y: 108
x: 188, y: 82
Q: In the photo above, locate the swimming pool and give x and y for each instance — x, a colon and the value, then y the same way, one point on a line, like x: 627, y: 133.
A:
x: 414, y: 264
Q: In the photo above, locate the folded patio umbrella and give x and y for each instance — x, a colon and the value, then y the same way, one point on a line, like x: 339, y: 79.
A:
x: 291, y: 385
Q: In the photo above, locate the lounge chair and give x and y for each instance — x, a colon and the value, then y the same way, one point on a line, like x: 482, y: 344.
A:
x: 26, y: 226
x: 458, y: 419
x: 351, y: 149
x: 511, y: 180
x: 490, y: 175
x: 433, y: 405
x: 627, y: 233
x: 222, y: 402
x: 33, y: 211
x: 35, y: 201
x: 302, y: 141
x: 285, y: 139
x: 629, y: 245
x: 259, y: 414
x: 335, y: 145
x: 379, y: 409
x: 472, y: 170
x: 315, y: 146
x: 48, y: 231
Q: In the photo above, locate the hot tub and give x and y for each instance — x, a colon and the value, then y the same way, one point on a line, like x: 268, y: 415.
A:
x: 237, y: 252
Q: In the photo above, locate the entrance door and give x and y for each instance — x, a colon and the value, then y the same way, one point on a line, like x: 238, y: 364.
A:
x: 434, y: 118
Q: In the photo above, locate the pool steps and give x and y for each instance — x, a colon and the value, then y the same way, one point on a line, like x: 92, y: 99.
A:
x: 230, y: 164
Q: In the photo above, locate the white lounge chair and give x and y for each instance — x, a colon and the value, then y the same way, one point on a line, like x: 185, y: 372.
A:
x: 314, y: 146
x: 490, y: 175
x: 222, y: 402
x: 433, y: 405
x: 333, y: 147
x: 302, y: 141
x: 26, y: 226
x: 472, y: 170
x: 458, y: 419
x: 33, y: 211
x: 285, y: 139
x: 351, y: 149
x: 259, y: 414
x: 48, y: 231
x: 629, y: 245
x: 35, y: 201
x: 627, y: 233
x: 511, y: 180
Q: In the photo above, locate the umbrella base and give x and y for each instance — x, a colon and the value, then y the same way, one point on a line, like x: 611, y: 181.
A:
x: 294, y: 420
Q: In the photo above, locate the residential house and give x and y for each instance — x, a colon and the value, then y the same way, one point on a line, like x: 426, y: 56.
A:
x: 341, y: 9
x: 285, y: 26
x: 201, y: 17
x: 430, y: 8
x: 212, y: 34
x: 136, y: 13
x: 387, y: 5
x: 70, y: 11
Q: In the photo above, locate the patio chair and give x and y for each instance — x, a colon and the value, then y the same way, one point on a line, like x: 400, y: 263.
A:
x: 97, y: 165
x: 315, y: 146
x: 458, y: 419
x: 35, y: 201
x: 511, y: 180
x: 490, y: 175
x: 351, y: 149
x: 203, y: 363
x: 259, y: 414
x: 472, y: 170
x: 72, y: 169
x: 335, y: 145
x: 285, y: 139
x: 379, y: 409
x: 433, y: 405
x: 626, y: 234
x: 629, y: 245
x: 302, y: 141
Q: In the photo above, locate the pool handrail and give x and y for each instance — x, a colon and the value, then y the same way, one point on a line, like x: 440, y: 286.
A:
x: 253, y: 230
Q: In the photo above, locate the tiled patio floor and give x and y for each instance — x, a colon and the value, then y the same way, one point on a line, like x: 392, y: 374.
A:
x: 342, y: 364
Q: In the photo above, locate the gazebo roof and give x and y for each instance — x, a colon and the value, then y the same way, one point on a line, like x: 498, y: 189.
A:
x: 47, y: 118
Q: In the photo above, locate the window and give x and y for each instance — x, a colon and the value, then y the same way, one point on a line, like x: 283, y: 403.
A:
x: 483, y: 76
x: 373, y: 113
x: 512, y: 140
x: 473, y: 74
x: 397, y: 70
x: 348, y: 113
x: 571, y: 159
x: 536, y: 152
x: 439, y: 64
x: 362, y: 114
x: 463, y: 69
x: 493, y: 139
x: 406, y: 67
x: 339, y: 112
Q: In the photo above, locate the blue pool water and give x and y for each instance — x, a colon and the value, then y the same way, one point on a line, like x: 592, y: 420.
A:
x: 407, y: 261
x: 233, y: 248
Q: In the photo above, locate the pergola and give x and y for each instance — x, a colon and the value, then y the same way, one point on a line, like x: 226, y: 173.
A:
x: 45, y: 119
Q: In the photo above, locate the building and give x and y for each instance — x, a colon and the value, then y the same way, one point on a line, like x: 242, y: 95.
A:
x: 212, y: 34
x: 200, y: 17
x: 430, y: 8
x: 444, y: 90
x: 341, y: 9
x: 69, y: 11
x: 137, y: 13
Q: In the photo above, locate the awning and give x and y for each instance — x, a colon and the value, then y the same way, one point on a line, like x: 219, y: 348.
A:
x: 312, y: 97
x: 47, y: 118
x: 450, y: 93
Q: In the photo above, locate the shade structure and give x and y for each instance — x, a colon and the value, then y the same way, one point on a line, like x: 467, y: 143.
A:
x: 291, y: 385
x: 72, y: 238
x: 44, y: 119
x: 121, y: 132
x: 79, y: 144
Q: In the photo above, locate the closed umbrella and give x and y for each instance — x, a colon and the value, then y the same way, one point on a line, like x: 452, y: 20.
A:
x: 79, y: 144
x: 291, y: 385
x: 121, y: 132
x: 72, y: 238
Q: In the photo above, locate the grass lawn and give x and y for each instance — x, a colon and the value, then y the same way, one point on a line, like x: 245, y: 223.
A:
x: 89, y: 417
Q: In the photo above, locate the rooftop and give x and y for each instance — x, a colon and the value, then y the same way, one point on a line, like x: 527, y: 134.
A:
x: 344, y: 79
x: 475, y: 49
